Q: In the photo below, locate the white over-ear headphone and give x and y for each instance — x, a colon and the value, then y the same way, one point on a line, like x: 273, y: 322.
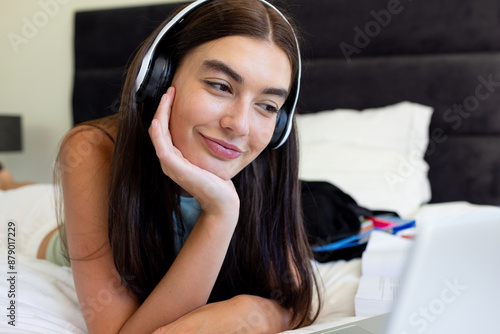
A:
x: 156, y: 71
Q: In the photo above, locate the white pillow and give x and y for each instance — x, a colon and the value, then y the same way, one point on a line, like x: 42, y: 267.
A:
x: 376, y: 155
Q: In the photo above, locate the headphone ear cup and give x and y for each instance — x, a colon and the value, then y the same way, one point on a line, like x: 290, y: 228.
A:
x: 160, y: 78
x: 280, y: 128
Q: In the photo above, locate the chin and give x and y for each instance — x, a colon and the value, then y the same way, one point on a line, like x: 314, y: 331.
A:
x: 225, y: 175
x: 223, y: 170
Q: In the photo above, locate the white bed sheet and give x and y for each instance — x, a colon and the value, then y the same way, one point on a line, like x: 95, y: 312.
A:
x: 46, y: 301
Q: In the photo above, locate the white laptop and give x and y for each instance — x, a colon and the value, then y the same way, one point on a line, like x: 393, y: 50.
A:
x: 451, y: 283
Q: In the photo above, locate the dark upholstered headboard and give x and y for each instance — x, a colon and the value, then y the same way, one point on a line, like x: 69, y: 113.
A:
x: 358, y: 54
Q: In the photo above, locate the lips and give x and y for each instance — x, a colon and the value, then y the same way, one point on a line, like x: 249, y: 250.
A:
x: 221, y: 148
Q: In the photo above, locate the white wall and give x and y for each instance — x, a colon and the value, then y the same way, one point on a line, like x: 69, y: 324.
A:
x: 36, y: 76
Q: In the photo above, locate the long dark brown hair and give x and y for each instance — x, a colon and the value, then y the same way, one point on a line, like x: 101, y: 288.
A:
x: 268, y: 255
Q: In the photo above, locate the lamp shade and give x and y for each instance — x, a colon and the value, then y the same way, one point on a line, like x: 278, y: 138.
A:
x: 10, y: 133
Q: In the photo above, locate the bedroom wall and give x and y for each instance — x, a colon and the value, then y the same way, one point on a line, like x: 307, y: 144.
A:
x: 36, y: 53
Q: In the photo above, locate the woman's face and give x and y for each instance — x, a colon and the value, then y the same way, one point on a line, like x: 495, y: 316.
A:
x: 228, y: 92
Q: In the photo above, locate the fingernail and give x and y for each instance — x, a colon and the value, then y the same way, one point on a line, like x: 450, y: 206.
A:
x: 154, y: 124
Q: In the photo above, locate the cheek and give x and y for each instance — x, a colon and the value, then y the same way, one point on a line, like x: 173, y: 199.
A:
x: 176, y: 125
x: 263, y: 133
x: 190, y: 113
x: 183, y: 119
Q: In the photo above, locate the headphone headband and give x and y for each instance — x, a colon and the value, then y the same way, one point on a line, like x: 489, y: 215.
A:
x: 148, y: 63
x: 148, y: 57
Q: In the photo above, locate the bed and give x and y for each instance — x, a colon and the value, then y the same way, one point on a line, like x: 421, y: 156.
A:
x: 399, y: 108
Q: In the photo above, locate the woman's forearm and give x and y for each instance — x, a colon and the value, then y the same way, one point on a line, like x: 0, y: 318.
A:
x: 240, y: 314
x: 189, y: 281
x: 266, y: 315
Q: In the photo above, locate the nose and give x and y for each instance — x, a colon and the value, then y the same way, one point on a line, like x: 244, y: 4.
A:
x: 236, y: 118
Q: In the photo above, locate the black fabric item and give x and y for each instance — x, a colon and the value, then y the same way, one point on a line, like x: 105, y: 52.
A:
x: 329, y: 213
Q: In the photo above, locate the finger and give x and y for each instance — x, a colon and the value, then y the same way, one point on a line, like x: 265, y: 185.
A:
x: 164, y: 109
x: 157, y: 136
x: 159, y: 129
x: 159, y: 331
x: 163, y: 145
x: 170, y: 157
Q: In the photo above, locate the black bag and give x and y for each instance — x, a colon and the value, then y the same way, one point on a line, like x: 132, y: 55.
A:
x: 331, y: 215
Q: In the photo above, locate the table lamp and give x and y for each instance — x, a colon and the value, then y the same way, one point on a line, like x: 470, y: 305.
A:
x: 10, y: 133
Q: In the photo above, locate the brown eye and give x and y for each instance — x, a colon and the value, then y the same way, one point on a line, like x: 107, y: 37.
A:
x: 269, y: 108
x: 272, y: 109
x: 219, y: 86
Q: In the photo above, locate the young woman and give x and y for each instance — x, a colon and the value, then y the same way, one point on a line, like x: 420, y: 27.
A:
x: 183, y: 216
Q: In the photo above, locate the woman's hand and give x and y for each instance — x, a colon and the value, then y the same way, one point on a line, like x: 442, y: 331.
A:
x: 215, y: 195
x: 240, y: 314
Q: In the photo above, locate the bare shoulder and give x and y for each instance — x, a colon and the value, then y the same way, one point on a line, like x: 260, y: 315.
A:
x: 84, y: 166
x: 88, y: 145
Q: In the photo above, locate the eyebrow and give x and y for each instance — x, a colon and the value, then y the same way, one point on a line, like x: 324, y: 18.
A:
x: 276, y: 91
x: 219, y: 66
